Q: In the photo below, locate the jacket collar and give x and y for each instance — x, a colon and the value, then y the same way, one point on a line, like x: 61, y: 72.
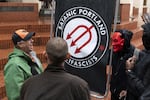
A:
x: 54, y: 68
x: 19, y: 53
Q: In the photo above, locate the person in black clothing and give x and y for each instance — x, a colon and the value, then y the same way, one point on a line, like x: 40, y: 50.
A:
x: 146, y: 94
x: 55, y: 83
x: 138, y: 70
x: 122, y: 50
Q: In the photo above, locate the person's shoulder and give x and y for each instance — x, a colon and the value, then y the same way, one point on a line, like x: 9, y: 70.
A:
x: 76, y: 79
x: 146, y: 94
x: 30, y: 83
x: 144, y: 53
x: 131, y: 48
x: 33, y: 80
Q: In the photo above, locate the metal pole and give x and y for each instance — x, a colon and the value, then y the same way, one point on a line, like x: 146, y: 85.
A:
x: 111, y: 52
x: 52, y: 18
x: 114, y: 29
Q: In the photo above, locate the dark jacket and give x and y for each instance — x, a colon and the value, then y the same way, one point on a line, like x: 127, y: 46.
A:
x: 119, y: 78
x: 139, y: 77
x: 55, y: 84
x: 146, y: 94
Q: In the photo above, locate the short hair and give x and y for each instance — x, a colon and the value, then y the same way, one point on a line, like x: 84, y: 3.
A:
x: 57, y: 50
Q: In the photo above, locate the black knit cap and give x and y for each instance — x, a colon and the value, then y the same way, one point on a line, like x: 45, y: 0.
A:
x: 21, y: 35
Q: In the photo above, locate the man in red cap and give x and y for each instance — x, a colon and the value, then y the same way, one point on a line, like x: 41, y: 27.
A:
x: 22, y: 63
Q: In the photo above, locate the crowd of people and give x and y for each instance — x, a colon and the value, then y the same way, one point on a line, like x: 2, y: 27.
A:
x: 55, y: 83
x: 130, y: 78
x: 25, y: 78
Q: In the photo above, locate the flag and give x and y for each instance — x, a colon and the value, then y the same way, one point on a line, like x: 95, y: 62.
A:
x: 86, y: 26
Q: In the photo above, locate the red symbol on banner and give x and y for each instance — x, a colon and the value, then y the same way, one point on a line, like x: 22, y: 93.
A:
x: 101, y: 48
x: 88, y: 30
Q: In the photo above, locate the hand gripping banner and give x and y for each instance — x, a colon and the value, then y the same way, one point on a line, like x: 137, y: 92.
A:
x: 86, y: 26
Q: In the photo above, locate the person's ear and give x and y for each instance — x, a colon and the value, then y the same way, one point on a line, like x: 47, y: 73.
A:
x: 21, y: 44
x: 122, y: 42
x: 68, y: 56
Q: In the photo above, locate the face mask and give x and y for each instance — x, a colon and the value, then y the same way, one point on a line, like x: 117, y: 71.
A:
x: 117, y: 42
